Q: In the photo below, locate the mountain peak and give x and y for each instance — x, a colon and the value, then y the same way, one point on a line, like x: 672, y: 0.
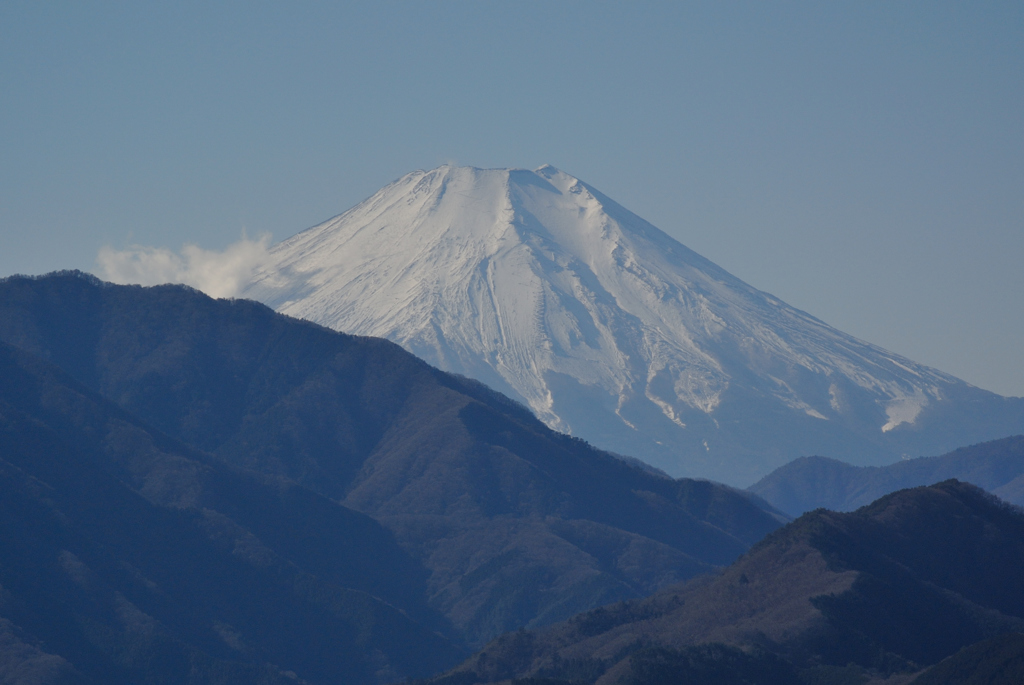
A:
x: 547, y: 171
x: 536, y: 284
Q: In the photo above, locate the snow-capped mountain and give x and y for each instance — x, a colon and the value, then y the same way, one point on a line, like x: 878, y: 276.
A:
x: 543, y: 288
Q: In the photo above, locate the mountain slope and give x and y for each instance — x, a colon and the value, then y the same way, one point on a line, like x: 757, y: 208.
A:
x: 890, y: 588
x: 517, y: 525
x: 812, y: 482
x: 996, y: 661
x: 543, y: 288
x: 130, y: 558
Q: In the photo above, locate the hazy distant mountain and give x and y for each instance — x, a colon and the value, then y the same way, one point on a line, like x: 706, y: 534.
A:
x: 811, y: 482
x: 516, y: 525
x: 831, y: 598
x: 541, y: 287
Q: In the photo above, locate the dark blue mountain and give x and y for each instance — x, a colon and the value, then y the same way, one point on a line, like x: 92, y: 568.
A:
x: 337, y: 466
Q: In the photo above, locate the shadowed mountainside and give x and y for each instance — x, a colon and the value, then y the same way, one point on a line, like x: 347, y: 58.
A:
x: 812, y: 482
x: 516, y: 525
x: 891, y: 588
x: 996, y: 661
x: 127, y: 557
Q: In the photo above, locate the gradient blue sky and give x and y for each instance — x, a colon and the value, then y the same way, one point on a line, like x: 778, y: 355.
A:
x: 862, y: 161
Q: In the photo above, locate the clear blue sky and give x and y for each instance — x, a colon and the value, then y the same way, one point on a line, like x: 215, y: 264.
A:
x: 863, y: 161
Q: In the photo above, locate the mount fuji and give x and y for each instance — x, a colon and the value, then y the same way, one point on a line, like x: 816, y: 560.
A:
x: 536, y: 284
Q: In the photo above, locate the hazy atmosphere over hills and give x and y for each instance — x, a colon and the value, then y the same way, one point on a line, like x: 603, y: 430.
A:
x: 206, y: 487
x: 541, y: 287
x: 486, y: 520
x: 831, y: 598
x: 705, y: 399
x: 812, y: 482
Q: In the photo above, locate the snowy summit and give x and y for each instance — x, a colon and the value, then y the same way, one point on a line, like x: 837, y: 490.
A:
x: 536, y: 284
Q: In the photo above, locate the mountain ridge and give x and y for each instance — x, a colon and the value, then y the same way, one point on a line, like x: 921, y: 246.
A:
x: 516, y: 524
x: 812, y: 482
x: 882, y: 592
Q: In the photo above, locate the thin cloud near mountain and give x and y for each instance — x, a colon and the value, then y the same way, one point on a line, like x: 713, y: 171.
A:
x: 218, y: 273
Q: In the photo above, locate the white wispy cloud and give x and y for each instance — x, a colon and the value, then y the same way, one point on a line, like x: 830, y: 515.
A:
x: 217, y: 273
